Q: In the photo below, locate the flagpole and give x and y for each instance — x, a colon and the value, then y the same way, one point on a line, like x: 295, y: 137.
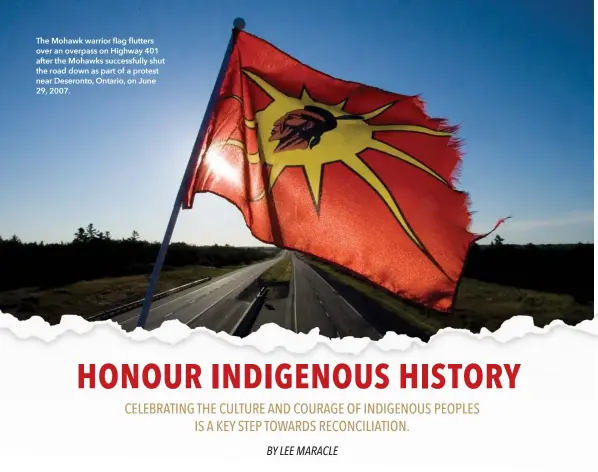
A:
x: 238, y: 25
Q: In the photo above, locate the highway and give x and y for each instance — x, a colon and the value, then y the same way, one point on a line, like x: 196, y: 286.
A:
x: 317, y: 305
x: 311, y: 303
x: 213, y: 304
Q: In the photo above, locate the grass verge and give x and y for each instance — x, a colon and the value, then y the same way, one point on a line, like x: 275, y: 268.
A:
x: 381, y: 305
x: 89, y: 297
x: 278, y: 273
x: 481, y: 304
x: 478, y: 305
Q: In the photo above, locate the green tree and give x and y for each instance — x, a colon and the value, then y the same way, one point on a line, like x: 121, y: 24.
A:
x: 80, y: 236
x: 498, y: 241
x: 92, y: 233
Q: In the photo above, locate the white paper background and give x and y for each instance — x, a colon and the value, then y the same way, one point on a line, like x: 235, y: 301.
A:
x: 546, y: 423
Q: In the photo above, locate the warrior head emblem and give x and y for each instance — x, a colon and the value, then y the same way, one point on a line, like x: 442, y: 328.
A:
x: 295, y: 130
x: 303, y: 129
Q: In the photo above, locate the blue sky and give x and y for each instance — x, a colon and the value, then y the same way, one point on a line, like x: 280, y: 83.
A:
x: 516, y: 75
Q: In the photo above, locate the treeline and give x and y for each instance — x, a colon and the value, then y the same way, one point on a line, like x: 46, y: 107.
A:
x: 559, y: 268
x: 554, y: 268
x: 94, y: 254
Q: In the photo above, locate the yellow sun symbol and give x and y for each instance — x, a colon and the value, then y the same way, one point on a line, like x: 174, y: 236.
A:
x: 351, y: 136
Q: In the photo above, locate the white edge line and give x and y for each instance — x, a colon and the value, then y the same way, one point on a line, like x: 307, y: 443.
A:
x: 348, y: 304
x: 249, y: 281
x: 216, y: 302
x: 228, y: 276
x: 203, y: 286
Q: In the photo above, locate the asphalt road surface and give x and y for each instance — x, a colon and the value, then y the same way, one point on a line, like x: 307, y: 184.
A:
x: 317, y: 305
x: 213, y: 304
x: 312, y: 303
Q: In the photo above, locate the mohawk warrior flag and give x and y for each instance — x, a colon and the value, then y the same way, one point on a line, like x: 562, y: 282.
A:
x: 349, y: 173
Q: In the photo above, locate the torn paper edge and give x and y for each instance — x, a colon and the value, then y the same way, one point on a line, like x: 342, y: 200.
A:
x: 271, y: 336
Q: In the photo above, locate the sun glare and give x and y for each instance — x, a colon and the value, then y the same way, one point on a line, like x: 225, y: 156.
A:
x: 218, y: 165
x: 351, y: 135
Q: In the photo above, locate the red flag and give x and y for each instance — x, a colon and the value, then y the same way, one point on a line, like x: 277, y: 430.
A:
x: 349, y: 173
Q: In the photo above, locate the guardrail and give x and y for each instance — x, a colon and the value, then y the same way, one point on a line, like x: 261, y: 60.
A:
x: 245, y: 323
x: 106, y: 315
